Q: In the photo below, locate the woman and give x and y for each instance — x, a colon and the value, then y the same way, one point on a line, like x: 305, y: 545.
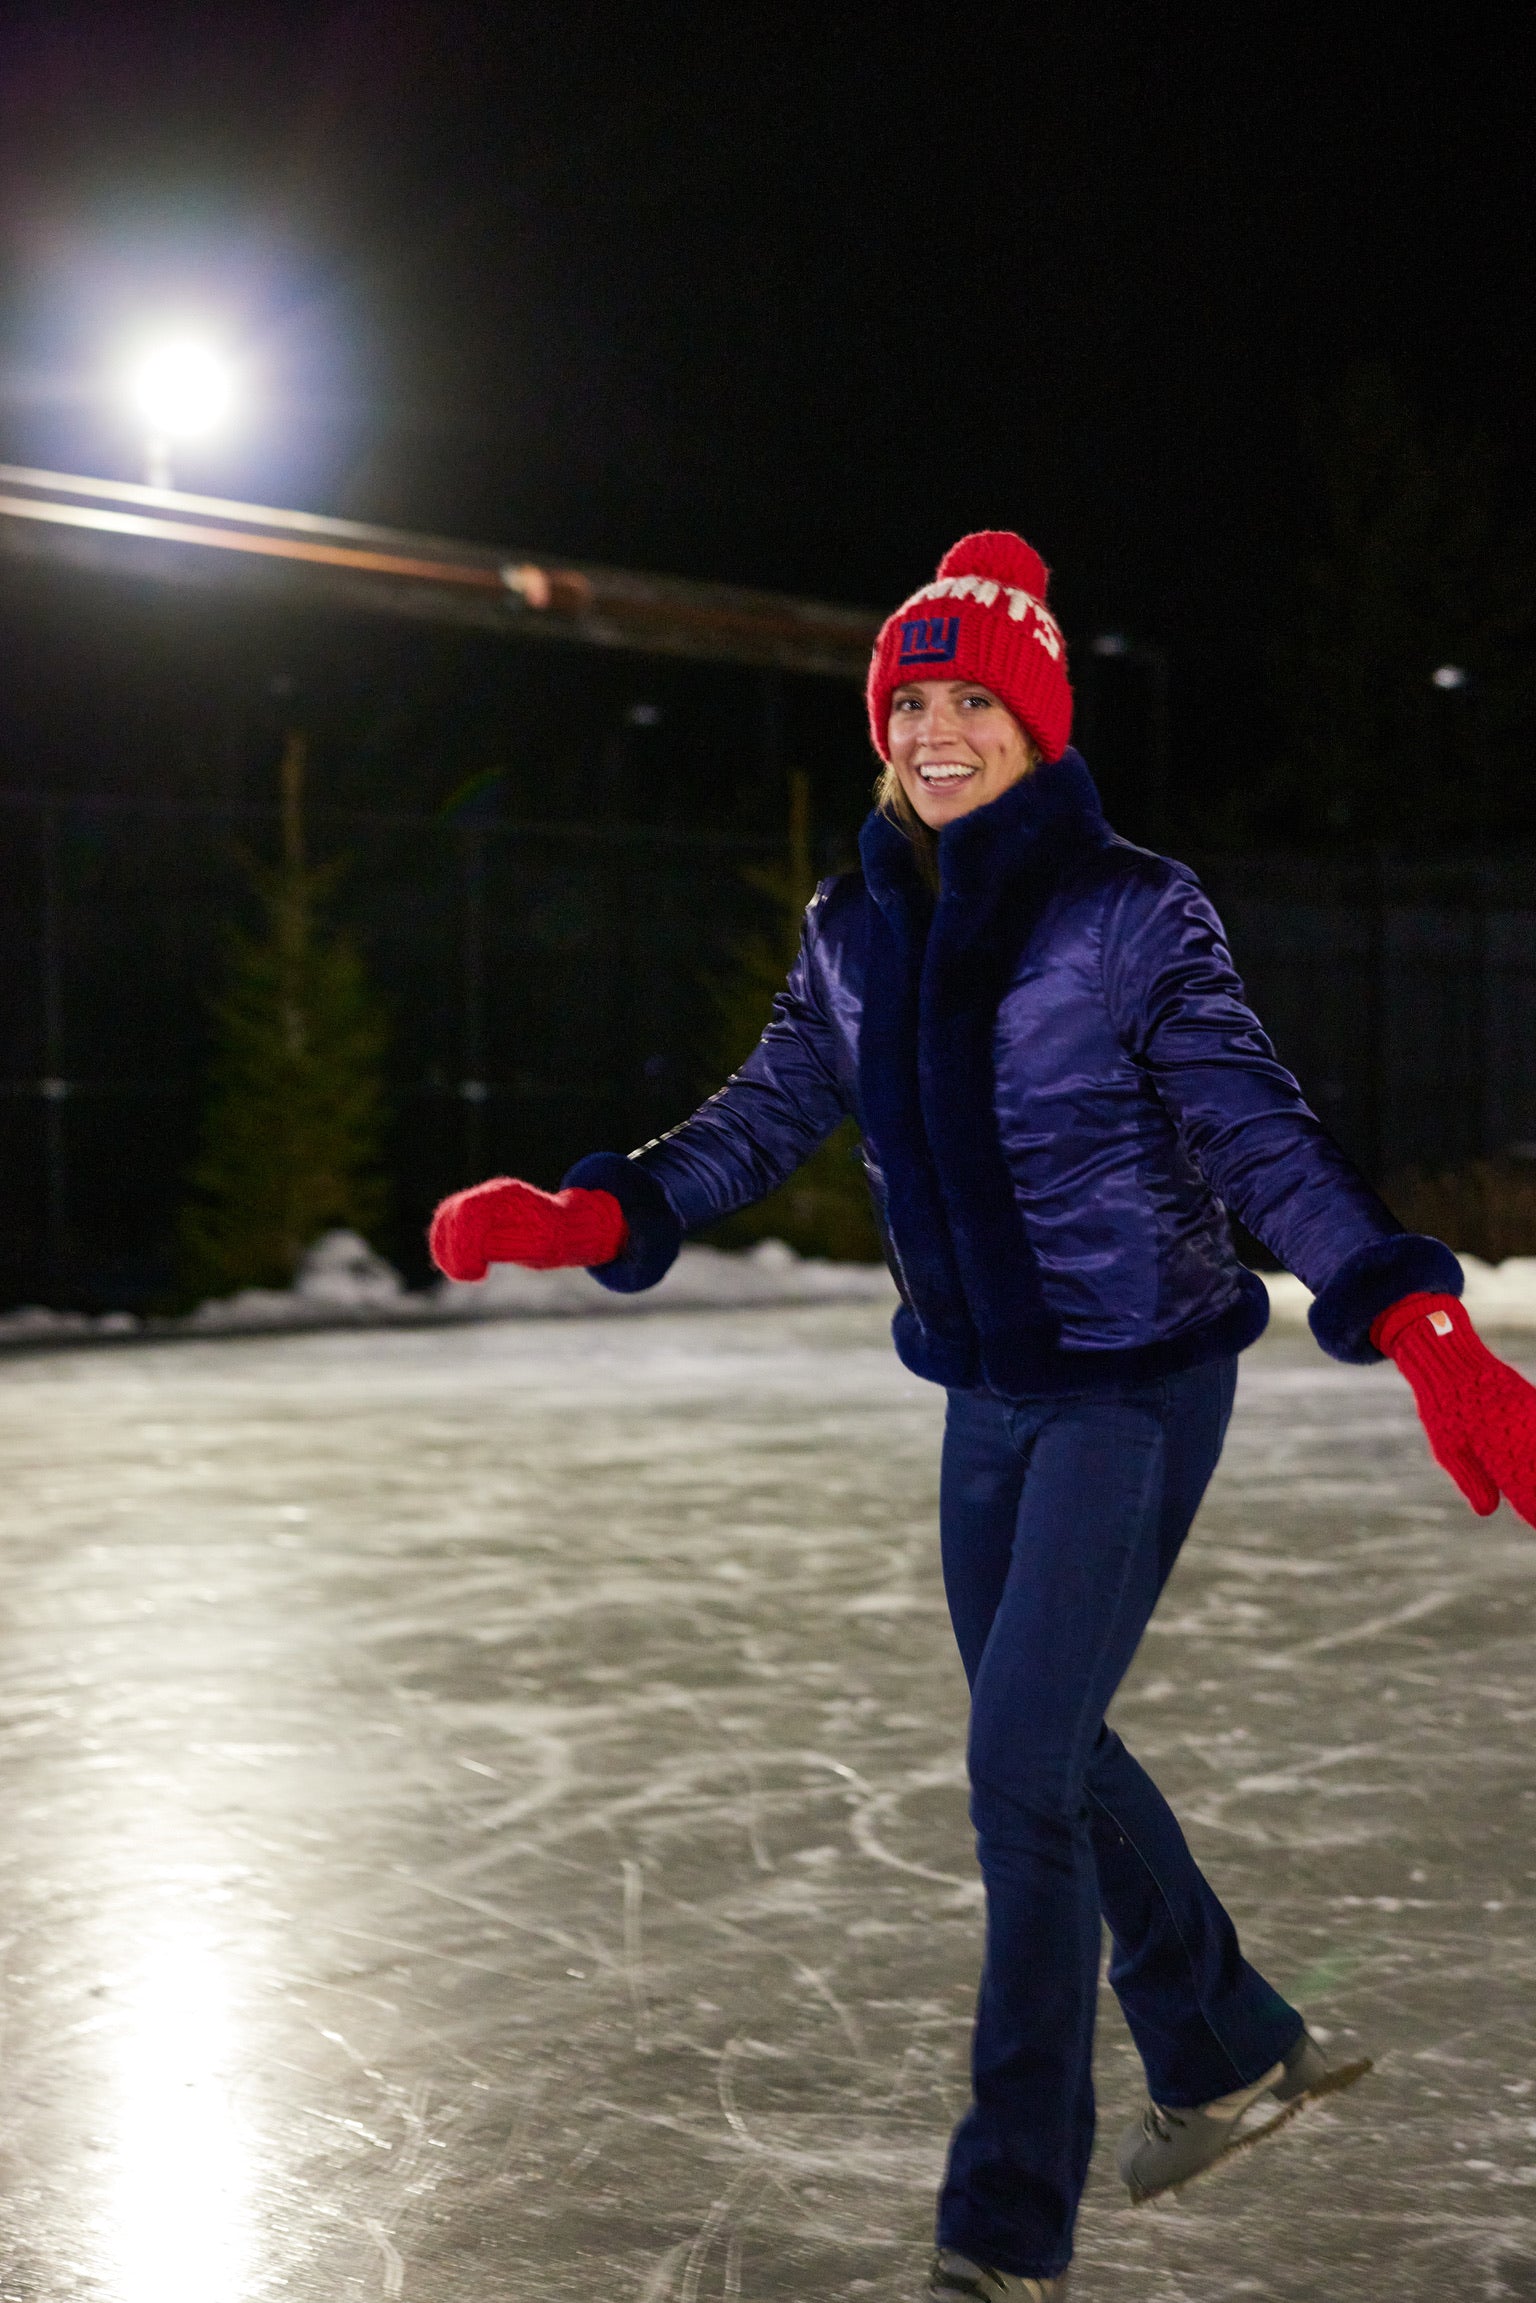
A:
x: 1060, y: 1090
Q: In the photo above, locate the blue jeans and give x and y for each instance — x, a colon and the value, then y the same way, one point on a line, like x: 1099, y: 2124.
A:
x: 1061, y: 1519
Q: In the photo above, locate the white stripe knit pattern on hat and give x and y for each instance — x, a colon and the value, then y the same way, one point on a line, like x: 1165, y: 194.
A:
x: 985, y: 591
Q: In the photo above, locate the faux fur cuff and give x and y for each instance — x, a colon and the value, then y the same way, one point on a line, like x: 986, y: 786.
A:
x: 1371, y: 1280
x: 655, y: 1235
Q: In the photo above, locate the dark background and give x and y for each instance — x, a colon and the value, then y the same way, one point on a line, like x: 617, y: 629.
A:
x: 791, y: 295
x: 782, y: 295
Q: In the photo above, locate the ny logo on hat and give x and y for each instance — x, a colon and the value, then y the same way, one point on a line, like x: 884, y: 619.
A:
x: 930, y: 639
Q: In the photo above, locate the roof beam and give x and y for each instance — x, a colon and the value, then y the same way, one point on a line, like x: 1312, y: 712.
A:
x: 302, y: 559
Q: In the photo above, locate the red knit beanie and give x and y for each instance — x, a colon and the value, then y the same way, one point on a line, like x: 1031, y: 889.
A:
x: 983, y: 618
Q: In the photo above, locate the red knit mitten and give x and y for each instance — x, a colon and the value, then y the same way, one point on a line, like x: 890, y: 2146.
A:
x: 1480, y: 1415
x: 505, y: 1221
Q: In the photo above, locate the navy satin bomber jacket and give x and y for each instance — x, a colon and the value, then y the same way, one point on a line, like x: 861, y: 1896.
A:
x: 1060, y: 1087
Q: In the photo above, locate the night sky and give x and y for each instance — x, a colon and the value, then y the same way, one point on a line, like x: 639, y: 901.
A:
x: 788, y: 295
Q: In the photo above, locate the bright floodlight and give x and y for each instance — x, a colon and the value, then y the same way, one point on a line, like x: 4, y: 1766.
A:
x: 181, y: 388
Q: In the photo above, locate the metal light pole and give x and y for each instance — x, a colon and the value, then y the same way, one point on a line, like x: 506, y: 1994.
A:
x: 474, y: 1090
x: 53, y: 1087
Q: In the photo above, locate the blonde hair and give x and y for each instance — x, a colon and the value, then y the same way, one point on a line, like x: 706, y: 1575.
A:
x: 892, y: 801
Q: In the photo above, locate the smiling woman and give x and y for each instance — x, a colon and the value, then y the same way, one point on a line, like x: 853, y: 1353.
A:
x: 954, y: 747
x: 1060, y: 1089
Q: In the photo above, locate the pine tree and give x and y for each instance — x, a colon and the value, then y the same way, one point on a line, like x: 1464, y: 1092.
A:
x: 824, y: 1209
x: 293, y: 1123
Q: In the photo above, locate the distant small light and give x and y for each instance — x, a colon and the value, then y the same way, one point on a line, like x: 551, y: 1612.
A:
x: 1116, y: 644
x: 1449, y: 676
x: 644, y: 715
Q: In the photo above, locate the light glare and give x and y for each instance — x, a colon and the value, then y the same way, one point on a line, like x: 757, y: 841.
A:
x: 181, y: 387
x: 180, y: 2229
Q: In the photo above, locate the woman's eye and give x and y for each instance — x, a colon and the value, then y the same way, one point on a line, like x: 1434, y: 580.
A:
x: 978, y: 703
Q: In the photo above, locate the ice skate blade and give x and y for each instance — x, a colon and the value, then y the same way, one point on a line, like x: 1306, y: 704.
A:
x: 1332, y: 2083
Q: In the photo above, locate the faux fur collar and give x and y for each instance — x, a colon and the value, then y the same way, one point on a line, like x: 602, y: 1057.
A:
x: 936, y: 973
x: 1045, y: 813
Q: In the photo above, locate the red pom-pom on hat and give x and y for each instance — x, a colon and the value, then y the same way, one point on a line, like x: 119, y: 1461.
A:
x: 998, y: 552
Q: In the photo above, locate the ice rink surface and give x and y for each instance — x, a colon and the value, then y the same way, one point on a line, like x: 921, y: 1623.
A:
x: 484, y: 1820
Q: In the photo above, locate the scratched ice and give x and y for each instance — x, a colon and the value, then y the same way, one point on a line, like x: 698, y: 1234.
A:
x: 483, y: 1819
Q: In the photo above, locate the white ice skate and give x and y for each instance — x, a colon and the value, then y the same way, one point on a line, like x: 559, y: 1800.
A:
x: 1165, y: 2148
x: 956, y: 2279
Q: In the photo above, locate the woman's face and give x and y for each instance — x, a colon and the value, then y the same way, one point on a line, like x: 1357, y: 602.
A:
x: 954, y: 747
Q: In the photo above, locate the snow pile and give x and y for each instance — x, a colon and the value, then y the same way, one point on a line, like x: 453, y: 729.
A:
x: 34, y: 1324
x: 702, y: 1277
x: 341, y: 1281
x: 1498, y: 1294
x: 340, y: 1278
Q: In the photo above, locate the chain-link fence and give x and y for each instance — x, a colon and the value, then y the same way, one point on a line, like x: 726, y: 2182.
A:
x: 1402, y: 993
x: 545, y: 990
x: 544, y: 986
